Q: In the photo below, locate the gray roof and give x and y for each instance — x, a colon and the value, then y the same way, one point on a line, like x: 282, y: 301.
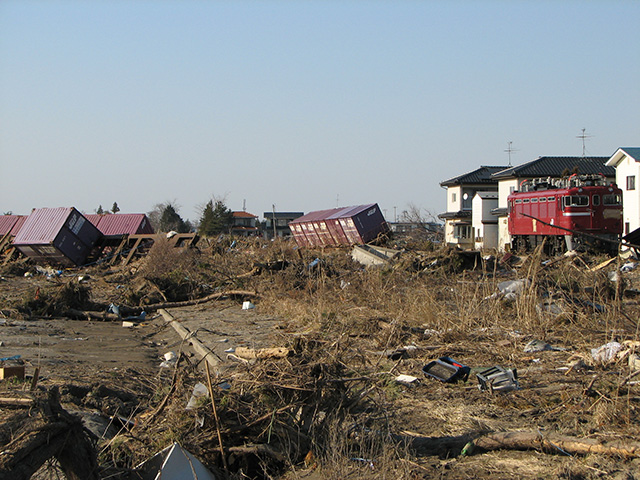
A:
x: 556, y: 166
x: 282, y: 214
x: 487, y: 194
x: 633, y: 152
x: 479, y: 175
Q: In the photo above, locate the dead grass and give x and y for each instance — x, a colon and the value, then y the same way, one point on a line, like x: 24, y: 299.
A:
x: 333, y: 407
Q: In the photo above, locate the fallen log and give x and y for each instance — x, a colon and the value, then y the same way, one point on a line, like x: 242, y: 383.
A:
x: 91, y: 315
x: 187, y: 336
x: 258, y: 450
x: 261, y: 353
x: 16, y: 401
x: 197, y: 301
x: 552, y: 443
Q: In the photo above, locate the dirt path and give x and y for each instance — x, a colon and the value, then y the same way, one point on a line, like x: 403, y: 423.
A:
x: 75, y: 350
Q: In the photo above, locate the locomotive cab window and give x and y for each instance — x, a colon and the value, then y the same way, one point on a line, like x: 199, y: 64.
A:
x: 612, y: 199
x: 575, y: 201
x: 595, y: 200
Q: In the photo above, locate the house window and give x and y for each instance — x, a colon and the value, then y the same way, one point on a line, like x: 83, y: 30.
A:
x: 463, y: 231
x: 512, y: 189
x: 626, y: 228
x: 453, y: 197
x: 631, y: 182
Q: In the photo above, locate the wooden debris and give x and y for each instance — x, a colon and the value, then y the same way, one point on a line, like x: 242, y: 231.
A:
x: 262, y: 353
x: 52, y: 433
x: 16, y: 401
x: 552, y: 443
x: 186, y: 335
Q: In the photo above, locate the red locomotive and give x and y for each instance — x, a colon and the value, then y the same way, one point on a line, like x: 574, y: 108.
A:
x: 578, y: 212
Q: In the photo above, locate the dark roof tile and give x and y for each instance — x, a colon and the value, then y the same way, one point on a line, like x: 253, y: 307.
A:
x: 555, y: 166
x: 479, y: 175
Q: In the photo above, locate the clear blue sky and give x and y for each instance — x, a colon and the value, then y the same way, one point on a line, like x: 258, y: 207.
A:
x: 301, y: 104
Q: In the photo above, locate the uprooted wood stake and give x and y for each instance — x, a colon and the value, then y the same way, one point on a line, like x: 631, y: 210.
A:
x: 29, y: 439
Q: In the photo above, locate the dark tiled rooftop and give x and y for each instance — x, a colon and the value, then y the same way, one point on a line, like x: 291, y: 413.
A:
x: 556, y: 166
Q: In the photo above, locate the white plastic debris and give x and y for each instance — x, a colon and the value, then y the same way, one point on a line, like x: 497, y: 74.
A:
x: 247, y: 305
x: 539, y: 346
x: 512, y: 286
x: 406, y: 379
x: 170, y: 359
x: 606, y: 353
x: 629, y: 266
x: 199, y: 391
x: 634, y: 362
x: 174, y: 463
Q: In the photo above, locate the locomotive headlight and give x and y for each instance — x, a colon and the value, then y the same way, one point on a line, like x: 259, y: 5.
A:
x: 610, y: 189
x: 580, y: 189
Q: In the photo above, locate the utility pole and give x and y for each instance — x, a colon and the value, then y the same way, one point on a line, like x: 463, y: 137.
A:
x: 273, y: 219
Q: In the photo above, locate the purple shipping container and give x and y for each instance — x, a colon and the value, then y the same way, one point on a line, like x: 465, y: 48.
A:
x: 119, y: 224
x: 340, y: 226
x: 7, y: 223
x: 57, y: 235
x: 18, y: 225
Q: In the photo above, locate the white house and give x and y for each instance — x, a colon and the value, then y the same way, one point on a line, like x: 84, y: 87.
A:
x: 458, y: 228
x: 626, y: 161
x: 484, y: 223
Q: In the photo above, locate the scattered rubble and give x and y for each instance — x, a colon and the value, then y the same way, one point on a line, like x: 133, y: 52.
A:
x: 414, y: 370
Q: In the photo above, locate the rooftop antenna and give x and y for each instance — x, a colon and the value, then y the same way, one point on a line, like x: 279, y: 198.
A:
x: 244, y: 204
x: 510, y: 150
x: 583, y: 136
x: 337, y: 199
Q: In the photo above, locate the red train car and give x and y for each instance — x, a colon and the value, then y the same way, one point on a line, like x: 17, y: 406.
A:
x: 582, y: 211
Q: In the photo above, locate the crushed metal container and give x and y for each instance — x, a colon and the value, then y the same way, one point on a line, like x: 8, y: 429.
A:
x: 497, y: 379
x: 57, y: 235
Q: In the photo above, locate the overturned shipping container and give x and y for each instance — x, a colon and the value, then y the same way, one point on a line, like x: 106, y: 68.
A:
x: 11, y: 224
x: 339, y: 226
x: 57, y: 235
x: 115, y: 225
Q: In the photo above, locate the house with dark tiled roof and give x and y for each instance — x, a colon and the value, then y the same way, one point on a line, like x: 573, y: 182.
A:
x: 509, y: 180
x: 626, y: 162
x: 461, y: 190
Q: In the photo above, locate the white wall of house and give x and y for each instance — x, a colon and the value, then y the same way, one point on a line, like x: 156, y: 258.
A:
x: 505, y: 187
x: 504, y: 239
x: 627, y: 172
x: 454, y: 198
x: 483, y: 222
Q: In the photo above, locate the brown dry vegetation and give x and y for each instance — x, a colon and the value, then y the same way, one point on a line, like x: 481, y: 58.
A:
x: 332, y: 408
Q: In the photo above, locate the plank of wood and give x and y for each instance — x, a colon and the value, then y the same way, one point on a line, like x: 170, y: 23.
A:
x: 186, y: 335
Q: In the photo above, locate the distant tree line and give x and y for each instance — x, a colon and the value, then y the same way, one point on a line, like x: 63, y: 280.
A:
x: 215, y: 218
